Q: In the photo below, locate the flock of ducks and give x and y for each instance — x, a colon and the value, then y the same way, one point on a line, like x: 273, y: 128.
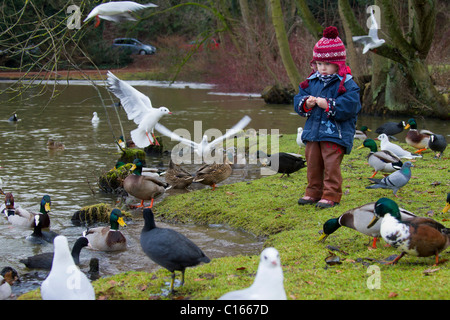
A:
x: 400, y: 228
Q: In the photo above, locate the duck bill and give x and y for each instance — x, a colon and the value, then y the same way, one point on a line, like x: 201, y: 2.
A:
x: 407, y: 126
x: 446, y: 208
x: 121, y: 222
x: 133, y: 167
x: 47, y: 207
x: 360, y: 147
x: 323, y: 237
x: 372, y: 223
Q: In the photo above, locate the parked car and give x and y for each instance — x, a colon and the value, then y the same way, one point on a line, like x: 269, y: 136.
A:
x: 211, y: 44
x: 134, y: 46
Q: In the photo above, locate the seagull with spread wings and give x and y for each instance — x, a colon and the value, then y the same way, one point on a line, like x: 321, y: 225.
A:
x: 138, y: 108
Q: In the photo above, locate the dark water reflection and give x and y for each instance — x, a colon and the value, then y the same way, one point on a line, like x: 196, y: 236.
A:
x: 30, y: 170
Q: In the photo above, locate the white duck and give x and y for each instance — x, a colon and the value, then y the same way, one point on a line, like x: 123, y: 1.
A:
x: 385, y: 144
x: 138, y: 108
x: 204, y: 148
x: 116, y: 11
x: 65, y: 281
x: 268, y: 284
x: 370, y: 41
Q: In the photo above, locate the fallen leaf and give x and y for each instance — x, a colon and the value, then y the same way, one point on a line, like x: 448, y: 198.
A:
x: 392, y: 294
x: 428, y: 271
x: 241, y: 268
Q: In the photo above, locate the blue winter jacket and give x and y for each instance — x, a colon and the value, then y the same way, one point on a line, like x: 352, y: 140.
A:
x: 338, y: 124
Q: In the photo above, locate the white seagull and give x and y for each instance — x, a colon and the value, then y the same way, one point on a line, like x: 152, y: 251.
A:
x: 204, y: 148
x: 138, y: 108
x: 95, y: 118
x: 65, y: 281
x: 268, y: 284
x: 370, y: 41
x: 116, y: 11
x: 385, y: 144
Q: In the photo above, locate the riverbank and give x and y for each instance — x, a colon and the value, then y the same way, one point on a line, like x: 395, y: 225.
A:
x: 268, y: 208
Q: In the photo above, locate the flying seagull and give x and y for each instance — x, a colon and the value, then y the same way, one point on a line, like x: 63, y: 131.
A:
x: 138, y: 108
x: 116, y: 11
x: 370, y: 41
x: 204, y: 148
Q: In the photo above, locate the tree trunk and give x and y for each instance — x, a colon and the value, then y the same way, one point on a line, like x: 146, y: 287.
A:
x: 283, y: 44
x: 308, y: 19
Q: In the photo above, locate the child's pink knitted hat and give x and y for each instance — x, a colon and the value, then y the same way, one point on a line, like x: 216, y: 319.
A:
x: 330, y: 49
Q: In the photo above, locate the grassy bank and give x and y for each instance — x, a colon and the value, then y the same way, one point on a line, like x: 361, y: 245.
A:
x: 268, y: 208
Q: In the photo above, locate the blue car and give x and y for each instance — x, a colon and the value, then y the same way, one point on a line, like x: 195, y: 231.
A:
x: 133, y: 46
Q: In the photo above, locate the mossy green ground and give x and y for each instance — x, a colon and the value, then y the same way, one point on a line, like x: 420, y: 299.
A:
x: 268, y: 208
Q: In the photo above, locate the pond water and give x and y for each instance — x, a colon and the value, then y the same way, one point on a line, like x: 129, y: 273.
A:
x: 29, y: 170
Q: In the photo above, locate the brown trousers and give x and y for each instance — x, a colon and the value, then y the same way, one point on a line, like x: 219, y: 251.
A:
x: 323, y: 160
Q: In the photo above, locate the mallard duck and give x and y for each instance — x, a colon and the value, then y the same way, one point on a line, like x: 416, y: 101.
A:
x: 55, y: 145
x: 357, y: 219
x: 141, y: 186
x: 108, y: 238
x: 361, y: 134
x: 447, y: 205
x: 168, y: 248
x: 212, y: 174
x: 283, y: 162
x: 65, y: 281
x: 383, y: 160
x: 38, y: 236
x: 177, y: 177
x: 415, y: 138
x: 22, y: 217
x: 268, y: 283
x: 395, y: 180
x: 391, y: 128
x: 438, y: 144
x: 17, y: 216
x: 385, y: 144
x: 45, y: 260
x: 422, y: 237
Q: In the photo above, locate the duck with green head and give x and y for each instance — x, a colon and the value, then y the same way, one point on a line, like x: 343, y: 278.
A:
x: 421, y: 237
x: 361, y: 134
x: 357, y: 219
x: 383, y: 160
x: 415, y: 138
x: 108, y: 238
x: 141, y: 186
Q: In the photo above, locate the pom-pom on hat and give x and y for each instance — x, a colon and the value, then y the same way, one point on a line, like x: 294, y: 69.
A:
x: 330, y: 48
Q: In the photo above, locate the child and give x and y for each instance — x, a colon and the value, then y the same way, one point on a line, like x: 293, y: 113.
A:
x: 329, y: 98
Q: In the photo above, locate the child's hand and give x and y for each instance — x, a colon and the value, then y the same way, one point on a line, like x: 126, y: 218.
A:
x: 311, y: 102
x: 322, y: 103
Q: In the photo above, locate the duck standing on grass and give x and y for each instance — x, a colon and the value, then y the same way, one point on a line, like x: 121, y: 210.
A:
x: 415, y: 138
x: 177, y: 177
x: 212, y: 174
x: 438, y: 144
x: 108, y: 238
x: 421, y: 237
x: 357, y: 219
x: 383, y: 160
